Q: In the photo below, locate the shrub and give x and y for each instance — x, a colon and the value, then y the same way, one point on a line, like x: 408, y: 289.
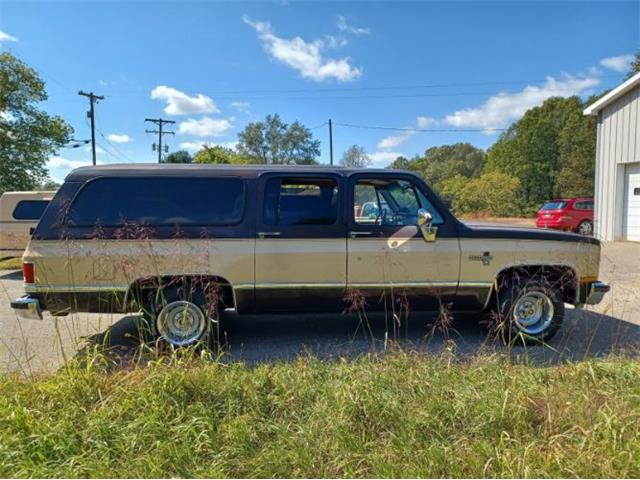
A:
x: 492, y: 193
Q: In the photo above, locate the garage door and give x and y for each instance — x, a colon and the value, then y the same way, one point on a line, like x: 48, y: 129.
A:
x: 631, y: 219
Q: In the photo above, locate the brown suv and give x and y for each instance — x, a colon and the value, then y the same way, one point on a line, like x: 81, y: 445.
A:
x: 184, y: 242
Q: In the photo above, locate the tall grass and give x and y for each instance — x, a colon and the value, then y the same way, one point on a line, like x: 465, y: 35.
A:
x: 402, y: 415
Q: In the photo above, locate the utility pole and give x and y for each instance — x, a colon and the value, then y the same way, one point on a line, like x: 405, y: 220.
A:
x: 93, y: 99
x: 160, y: 122
x: 330, y: 142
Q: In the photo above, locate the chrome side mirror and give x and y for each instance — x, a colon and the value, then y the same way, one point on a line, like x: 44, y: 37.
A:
x: 424, y: 223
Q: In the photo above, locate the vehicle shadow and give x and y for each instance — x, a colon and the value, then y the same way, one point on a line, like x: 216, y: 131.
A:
x: 258, y: 339
x: 11, y: 275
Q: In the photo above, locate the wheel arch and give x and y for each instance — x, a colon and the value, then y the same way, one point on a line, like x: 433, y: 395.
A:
x: 561, y: 276
x: 137, y: 290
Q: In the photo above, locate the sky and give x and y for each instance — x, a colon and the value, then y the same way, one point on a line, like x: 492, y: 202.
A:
x: 446, y: 71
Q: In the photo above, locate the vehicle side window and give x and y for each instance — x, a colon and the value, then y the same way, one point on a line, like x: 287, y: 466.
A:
x: 392, y: 202
x: 584, y: 205
x: 159, y: 201
x: 30, y: 209
x: 301, y: 201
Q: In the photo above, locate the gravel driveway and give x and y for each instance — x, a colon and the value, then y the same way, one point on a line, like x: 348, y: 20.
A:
x: 32, y: 346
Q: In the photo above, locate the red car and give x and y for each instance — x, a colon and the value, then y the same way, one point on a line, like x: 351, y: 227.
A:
x: 572, y: 214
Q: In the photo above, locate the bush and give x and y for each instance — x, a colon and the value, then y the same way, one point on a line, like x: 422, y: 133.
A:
x: 492, y: 193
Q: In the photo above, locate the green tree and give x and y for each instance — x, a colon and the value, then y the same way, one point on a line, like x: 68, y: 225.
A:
x: 538, y: 146
x: 28, y: 136
x: 635, y: 66
x: 445, y: 162
x: 355, y: 157
x: 181, y: 156
x: 219, y: 154
x: 492, y: 193
x: 275, y: 142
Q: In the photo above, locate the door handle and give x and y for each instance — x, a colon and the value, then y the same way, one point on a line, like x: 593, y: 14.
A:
x: 361, y: 234
x: 269, y: 234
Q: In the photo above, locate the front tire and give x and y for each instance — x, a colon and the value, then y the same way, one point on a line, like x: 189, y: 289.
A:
x: 529, y: 310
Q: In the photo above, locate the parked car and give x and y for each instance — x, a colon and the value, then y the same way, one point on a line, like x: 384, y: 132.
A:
x: 571, y: 214
x: 19, y: 214
x: 183, y: 243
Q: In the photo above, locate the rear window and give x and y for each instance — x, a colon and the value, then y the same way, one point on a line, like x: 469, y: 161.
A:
x: 554, y: 205
x: 30, y: 209
x: 298, y: 201
x: 160, y: 201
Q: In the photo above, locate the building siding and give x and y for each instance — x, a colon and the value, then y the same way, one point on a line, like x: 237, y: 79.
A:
x: 618, y: 143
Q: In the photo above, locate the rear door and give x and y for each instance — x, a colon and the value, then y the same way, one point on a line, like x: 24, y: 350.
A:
x: 301, y: 250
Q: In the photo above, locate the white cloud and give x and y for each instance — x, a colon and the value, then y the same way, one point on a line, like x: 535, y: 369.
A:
x: 394, y: 140
x: 59, y: 162
x: 119, y: 138
x: 7, y: 116
x: 502, y: 109
x: 5, y: 37
x: 620, y: 64
x: 335, y: 42
x: 382, y: 159
x: 305, y: 57
x: 179, y: 103
x: 426, y: 122
x: 241, y: 106
x: 98, y: 149
x: 205, y: 127
x: 195, y: 146
x: 345, y: 27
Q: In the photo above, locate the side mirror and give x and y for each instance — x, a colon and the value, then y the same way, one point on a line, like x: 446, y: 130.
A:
x: 424, y: 222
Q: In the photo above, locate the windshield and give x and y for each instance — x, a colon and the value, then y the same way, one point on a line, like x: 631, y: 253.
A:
x: 554, y: 205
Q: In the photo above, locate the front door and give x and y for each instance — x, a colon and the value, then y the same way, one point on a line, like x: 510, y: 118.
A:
x: 301, y: 251
x: 389, y: 261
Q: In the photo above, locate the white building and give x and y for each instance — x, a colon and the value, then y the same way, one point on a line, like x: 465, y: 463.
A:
x: 617, y: 183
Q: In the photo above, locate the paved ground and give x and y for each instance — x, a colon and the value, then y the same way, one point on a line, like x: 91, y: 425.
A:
x: 41, y: 346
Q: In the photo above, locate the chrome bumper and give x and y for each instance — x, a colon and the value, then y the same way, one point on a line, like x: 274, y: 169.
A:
x: 27, y: 308
x: 595, y: 293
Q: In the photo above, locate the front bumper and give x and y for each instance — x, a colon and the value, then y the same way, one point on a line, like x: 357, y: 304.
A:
x: 27, y: 308
x: 595, y: 292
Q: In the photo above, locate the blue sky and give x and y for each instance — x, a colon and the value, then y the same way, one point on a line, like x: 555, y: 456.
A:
x: 213, y: 67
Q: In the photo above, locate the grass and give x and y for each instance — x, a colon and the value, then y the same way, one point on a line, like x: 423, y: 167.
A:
x: 11, y: 263
x: 400, y: 415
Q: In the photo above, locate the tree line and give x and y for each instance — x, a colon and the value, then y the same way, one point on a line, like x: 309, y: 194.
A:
x: 549, y: 152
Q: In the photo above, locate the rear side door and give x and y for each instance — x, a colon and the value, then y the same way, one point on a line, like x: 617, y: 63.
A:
x: 301, y: 251
x: 388, y: 258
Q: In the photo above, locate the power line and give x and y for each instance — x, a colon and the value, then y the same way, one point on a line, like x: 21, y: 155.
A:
x: 116, y: 149
x: 410, y: 129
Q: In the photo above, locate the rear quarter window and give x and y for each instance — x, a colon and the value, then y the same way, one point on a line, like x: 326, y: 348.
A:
x: 159, y: 201
x: 29, y: 209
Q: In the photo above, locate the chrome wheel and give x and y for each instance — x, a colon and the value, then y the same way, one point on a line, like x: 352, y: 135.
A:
x: 181, y: 323
x: 585, y: 228
x: 533, y: 312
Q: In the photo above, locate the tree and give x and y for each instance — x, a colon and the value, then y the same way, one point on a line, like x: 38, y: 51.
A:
x: 445, y: 162
x: 492, y: 193
x: 218, y: 154
x: 275, y: 142
x: 28, y: 136
x: 181, y: 156
x: 539, y: 146
x: 355, y: 157
x: 635, y: 66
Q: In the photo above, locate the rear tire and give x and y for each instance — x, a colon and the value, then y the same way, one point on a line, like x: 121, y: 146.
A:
x: 182, y: 315
x: 585, y: 227
x: 529, y: 310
